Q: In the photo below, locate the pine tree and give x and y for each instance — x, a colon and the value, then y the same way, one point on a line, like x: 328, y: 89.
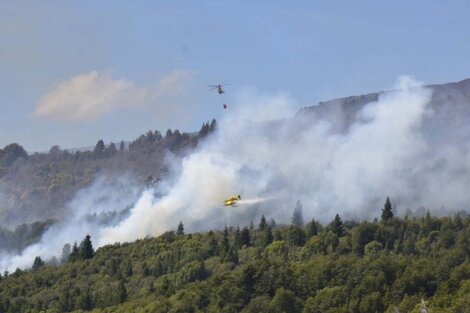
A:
x: 85, y: 301
x: 99, y: 148
x: 66, y: 251
x: 213, y: 125
x: 111, y: 150
x: 65, y: 300
x: 122, y: 146
x: 225, y: 241
x: 272, y: 223
x: 245, y: 238
x: 311, y: 228
x: 262, y: 223
x: 128, y: 270
x: 180, y: 230
x: 238, y: 238
x: 297, y: 218
x: 121, y: 292
x: 204, y: 130
x: 337, y: 226
x: 296, y: 236
x: 86, y: 248
x: 38, y: 263
x: 268, y: 236
x: 75, y: 255
x: 232, y: 255
x: 213, y: 246
x: 387, y: 213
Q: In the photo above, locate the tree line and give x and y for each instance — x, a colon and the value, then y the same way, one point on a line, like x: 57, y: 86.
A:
x: 389, y: 265
x: 39, y: 186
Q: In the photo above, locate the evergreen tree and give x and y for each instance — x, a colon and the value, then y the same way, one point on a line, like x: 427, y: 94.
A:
x: 213, y: 125
x: 311, y: 229
x: 204, y: 130
x: 65, y: 300
x: 122, y: 146
x: 262, y: 223
x: 99, y: 148
x: 75, y: 255
x: 297, y: 218
x: 157, y: 135
x: 111, y: 150
x: 128, y: 270
x: 213, y: 246
x: 232, y: 255
x: 121, y: 292
x: 387, y: 213
x: 86, y: 248
x: 296, y: 236
x: 225, y: 241
x: 11, y: 153
x: 180, y: 230
x: 337, y: 226
x: 38, y: 263
x: 268, y: 236
x: 66, y: 251
x: 272, y: 223
x: 85, y: 301
x: 245, y: 238
x: 238, y: 238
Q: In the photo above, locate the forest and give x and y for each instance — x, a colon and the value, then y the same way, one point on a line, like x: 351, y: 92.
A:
x: 39, y: 186
x: 392, y: 264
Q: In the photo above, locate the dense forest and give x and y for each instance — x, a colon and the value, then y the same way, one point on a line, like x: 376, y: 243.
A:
x: 38, y: 186
x: 410, y: 264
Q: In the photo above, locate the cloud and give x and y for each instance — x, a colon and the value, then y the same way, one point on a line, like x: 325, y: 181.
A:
x: 94, y: 94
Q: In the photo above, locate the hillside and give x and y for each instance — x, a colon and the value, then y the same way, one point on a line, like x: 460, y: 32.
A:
x: 40, y: 186
x: 393, y: 265
x: 450, y: 105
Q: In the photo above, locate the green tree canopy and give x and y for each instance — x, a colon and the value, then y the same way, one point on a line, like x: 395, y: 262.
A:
x: 86, y: 248
x: 387, y: 212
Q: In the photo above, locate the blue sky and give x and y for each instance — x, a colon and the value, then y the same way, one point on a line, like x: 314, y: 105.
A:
x: 130, y: 66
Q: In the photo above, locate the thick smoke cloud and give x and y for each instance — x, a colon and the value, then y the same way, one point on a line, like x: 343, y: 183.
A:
x: 273, y: 163
x: 92, y: 208
x: 330, y: 173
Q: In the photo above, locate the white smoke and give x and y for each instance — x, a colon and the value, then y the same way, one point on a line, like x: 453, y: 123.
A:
x: 273, y: 163
x: 330, y: 173
x: 103, y: 198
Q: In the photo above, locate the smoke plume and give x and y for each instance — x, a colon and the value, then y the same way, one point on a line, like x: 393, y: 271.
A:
x: 272, y: 163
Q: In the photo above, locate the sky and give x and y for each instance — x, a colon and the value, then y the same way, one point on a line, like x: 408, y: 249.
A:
x: 74, y: 72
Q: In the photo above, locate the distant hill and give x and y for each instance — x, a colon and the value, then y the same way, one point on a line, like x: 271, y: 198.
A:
x: 39, y: 186
x: 450, y: 104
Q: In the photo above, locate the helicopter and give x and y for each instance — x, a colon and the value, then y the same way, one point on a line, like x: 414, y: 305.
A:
x: 218, y: 87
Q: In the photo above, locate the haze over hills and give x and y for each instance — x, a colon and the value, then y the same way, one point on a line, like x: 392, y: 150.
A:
x: 450, y: 103
x: 342, y: 156
x: 39, y: 187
